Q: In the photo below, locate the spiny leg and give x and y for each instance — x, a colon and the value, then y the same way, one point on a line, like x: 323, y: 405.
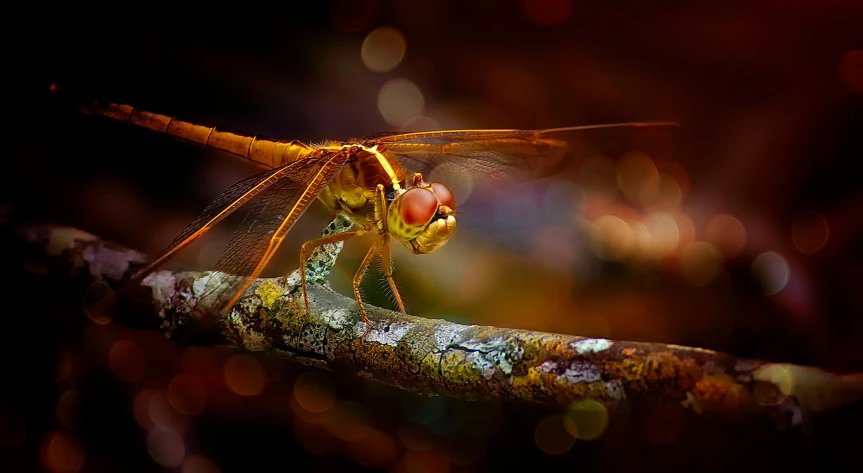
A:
x: 358, y: 278
x: 309, y: 246
x: 384, y: 243
x: 386, y: 263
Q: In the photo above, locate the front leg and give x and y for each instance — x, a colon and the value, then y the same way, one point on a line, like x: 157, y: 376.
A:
x: 384, y: 244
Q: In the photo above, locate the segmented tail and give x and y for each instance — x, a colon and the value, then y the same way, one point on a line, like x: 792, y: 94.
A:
x: 267, y: 152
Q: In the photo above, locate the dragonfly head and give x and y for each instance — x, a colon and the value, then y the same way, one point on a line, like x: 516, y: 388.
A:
x: 422, y: 217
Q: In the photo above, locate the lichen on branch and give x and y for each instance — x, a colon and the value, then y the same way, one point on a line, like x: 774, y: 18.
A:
x: 434, y: 356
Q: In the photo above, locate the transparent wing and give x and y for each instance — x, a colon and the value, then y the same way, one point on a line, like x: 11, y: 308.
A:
x: 496, y: 155
x: 263, y: 229
x: 225, y: 204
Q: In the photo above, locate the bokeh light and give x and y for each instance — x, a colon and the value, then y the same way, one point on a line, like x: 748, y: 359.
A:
x: 99, y: 302
x: 244, y: 375
x: 586, y: 420
x: 700, y: 263
x: 552, y: 436
x: 638, y: 178
x: 772, y: 271
x: 314, y: 392
x: 459, y: 183
x: 186, y: 394
x: 166, y: 447
x: 65, y: 363
x: 198, y: 464
x: 664, y: 233
x: 374, y: 449
x: 425, y: 462
x: 399, y: 100
x: 547, y: 12
x: 419, y: 123
x: 163, y: 415
x: 315, y: 439
x: 726, y: 234
x: 612, y: 238
x: 423, y: 409
x: 126, y: 360
x: 383, y: 49
x: 598, y: 178
x: 61, y: 452
x: 68, y: 409
x: 851, y: 70
x: 809, y: 232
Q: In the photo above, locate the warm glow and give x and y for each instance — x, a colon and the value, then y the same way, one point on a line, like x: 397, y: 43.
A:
x: 612, y: 238
x: 65, y: 364
x: 166, y: 447
x: 638, y: 178
x: 727, y: 234
x: 664, y: 233
x: 347, y: 421
x: 383, y: 49
x: 597, y: 177
x: 419, y: 123
x: 772, y: 271
x: 314, y: 392
x: 141, y: 408
x: 374, y: 449
x: 127, y: 361
x: 851, y: 70
x: 810, y: 233
x: 186, y: 394
x: 315, y: 439
x: 99, y: 302
x: 198, y: 464
x: 163, y: 415
x: 425, y: 462
x: 67, y: 409
x: 244, y: 375
x: 586, y: 420
x: 547, y: 12
x: 399, y: 100
x: 701, y: 263
x: 552, y: 437
x: 61, y: 452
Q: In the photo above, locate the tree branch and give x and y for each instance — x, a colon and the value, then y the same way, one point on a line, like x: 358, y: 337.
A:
x: 431, y: 355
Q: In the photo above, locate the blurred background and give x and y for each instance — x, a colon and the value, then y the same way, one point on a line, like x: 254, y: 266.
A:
x: 739, y: 231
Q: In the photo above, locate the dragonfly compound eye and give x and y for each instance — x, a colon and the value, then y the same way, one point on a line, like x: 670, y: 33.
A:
x: 444, y: 196
x: 417, y: 206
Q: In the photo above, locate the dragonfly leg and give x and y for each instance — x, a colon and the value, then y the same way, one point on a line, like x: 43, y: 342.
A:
x: 358, y: 278
x: 307, y: 248
x: 384, y: 244
x: 387, y: 265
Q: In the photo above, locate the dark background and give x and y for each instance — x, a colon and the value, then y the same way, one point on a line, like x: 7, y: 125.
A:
x: 768, y: 95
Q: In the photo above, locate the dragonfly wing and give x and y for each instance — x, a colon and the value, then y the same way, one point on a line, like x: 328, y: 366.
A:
x: 225, y: 204
x: 262, y: 231
x: 495, y: 155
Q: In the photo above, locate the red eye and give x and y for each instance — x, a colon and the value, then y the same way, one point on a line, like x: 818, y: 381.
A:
x: 444, y: 196
x: 417, y: 206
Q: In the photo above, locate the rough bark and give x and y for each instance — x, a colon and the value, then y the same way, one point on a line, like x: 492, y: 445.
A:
x: 430, y: 355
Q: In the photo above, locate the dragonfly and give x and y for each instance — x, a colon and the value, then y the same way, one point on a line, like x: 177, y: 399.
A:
x: 377, y: 182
